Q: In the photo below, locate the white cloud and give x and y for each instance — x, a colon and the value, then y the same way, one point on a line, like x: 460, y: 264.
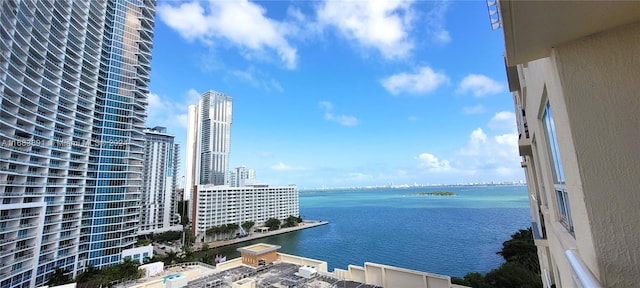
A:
x: 476, y: 144
x: 479, y: 85
x: 431, y: 163
x: 504, y: 120
x: 264, y: 154
x: 382, y: 25
x: 496, y: 154
x: 165, y: 112
x: 241, y: 23
x: 344, y: 120
x: 423, y: 81
x: 284, y: 167
x: 257, y: 78
x: 296, y: 14
x: 325, y: 105
x: 436, y: 19
x: 478, y: 109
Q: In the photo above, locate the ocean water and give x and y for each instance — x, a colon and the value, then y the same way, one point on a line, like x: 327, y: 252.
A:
x: 449, y: 235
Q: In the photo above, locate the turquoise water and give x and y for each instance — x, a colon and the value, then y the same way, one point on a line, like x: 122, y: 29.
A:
x: 449, y: 235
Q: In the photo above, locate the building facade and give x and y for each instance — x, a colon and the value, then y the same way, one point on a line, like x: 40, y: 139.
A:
x: 217, y: 205
x: 159, y: 196
x: 573, y: 69
x: 242, y: 176
x: 74, y: 80
x: 212, y: 127
x: 208, y: 141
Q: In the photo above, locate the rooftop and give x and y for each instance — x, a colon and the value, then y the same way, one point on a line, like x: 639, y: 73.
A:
x: 258, y: 249
x: 284, y: 270
x: 278, y: 274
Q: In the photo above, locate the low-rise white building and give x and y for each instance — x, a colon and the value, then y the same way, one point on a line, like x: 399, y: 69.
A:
x: 138, y: 254
x: 216, y: 205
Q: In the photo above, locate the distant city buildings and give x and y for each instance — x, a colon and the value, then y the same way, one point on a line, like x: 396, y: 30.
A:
x: 242, y: 176
x: 74, y: 80
x: 216, y: 198
x: 159, y: 183
x: 574, y: 72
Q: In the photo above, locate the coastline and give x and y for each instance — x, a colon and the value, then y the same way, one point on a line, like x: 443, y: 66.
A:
x: 306, y: 224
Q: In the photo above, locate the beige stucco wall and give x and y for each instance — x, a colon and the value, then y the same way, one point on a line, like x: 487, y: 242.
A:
x: 229, y: 264
x: 542, y: 83
x: 321, y: 266
x: 395, y: 278
x: 593, y: 86
x: 373, y: 274
x: 600, y: 76
x: 357, y: 273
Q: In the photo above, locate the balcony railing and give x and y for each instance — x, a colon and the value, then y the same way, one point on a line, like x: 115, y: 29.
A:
x: 582, y: 276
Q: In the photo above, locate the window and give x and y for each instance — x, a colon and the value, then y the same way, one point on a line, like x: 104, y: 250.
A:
x: 562, y: 197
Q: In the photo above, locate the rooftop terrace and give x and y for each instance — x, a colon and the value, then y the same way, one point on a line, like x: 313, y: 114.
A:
x: 261, y: 266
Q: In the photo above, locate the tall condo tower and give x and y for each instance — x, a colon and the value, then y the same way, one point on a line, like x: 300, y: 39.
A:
x: 241, y: 176
x: 208, y: 138
x: 159, y: 204
x: 74, y: 79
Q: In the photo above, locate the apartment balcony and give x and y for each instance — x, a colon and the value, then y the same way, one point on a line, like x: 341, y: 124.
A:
x: 539, y: 234
x: 524, y: 139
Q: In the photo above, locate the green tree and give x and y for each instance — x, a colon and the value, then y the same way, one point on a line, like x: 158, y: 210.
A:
x: 59, y: 277
x: 248, y: 225
x: 90, y: 274
x: 471, y: 279
x: 170, y: 258
x: 512, y: 274
x: 291, y: 221
x: 167, y: 236
x: 97, y: 278
x: 521, y: 270
x: 204, y: 247
x: 232, y: 227
x: 521, y: 249
x: 143, y: 242
x: 273, y: 224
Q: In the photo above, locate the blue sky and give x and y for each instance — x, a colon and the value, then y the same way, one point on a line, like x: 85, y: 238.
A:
x: 343, y: 93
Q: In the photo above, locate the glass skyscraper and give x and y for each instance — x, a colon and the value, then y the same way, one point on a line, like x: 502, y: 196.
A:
x: 213, y: 136
x: 74, y: 79
x: 159, y: 204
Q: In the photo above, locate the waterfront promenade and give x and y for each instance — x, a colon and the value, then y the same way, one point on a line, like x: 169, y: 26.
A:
x: 257, y: 235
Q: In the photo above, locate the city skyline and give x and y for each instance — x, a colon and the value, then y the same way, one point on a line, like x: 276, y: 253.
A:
x: 319, y: 102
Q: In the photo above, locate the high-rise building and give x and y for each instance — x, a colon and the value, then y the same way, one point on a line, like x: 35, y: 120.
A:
x: 208, y: 140
x: 241, y: 176
x: 74, y: 79
x: 574, y: 71
x: 213, y: 137
x: 217, y: 205
x: 159, y: 183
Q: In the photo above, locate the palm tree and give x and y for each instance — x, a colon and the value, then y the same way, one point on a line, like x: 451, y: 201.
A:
x: 59, y: 277
x: 247, y: 225
x: 170, y: 258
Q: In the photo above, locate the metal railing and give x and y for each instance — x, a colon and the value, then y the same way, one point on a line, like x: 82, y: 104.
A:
x: 582, y: 276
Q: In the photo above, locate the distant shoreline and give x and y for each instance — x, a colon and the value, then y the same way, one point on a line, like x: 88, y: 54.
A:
x: 435, y: 193
x: 303, y: 190
x: 257, y: 235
